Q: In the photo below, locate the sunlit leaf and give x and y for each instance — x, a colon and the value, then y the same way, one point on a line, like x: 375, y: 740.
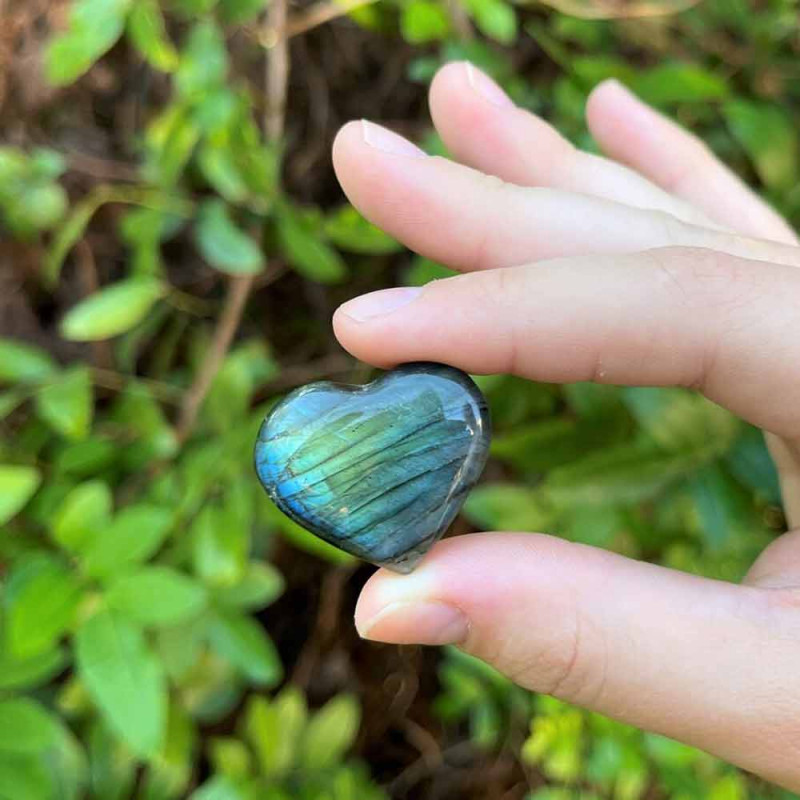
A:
x: 25, y: 727
x: 83, y: 514
x: 223, y: 244
x: 113, y: 310
x: 424, y: 21
x: 21, y: 362
x: 147, y: 31
x: 17, y: 485
x: 125, y: 679
x: 330, y: 733
x: 769, y: 137
x: 306, y: 251
x: 243, y: 642
x: 67, y: 403
x: 40, y: 601
x: 134, y: 535
x: 94, y: 28
x: 157, y: 596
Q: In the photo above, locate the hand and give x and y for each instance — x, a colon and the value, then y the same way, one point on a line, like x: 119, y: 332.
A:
x: 668, y: 271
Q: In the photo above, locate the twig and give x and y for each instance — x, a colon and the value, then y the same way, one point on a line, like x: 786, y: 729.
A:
x: 460, y: 19
x: 619, y: 9
x: 277, y: 71
x: 87, y: 267
x: 102, y: 168
x: 116, y: 381
x: 228, y: 322
x: 326, y: 11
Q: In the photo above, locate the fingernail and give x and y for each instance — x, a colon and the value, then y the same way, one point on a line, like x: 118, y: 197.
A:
x: 416, y: 623
x: 388, y: 142
x: 487, y: 88
x: 614, y: 85
x: 379, y: 304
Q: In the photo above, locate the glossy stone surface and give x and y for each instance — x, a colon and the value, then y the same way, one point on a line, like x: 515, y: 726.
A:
x: 379, y: 470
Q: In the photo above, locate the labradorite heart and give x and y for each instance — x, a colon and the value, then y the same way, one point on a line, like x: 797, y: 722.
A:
x: 379, y: 470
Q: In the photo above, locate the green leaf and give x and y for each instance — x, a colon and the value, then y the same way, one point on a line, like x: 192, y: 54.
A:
x: 23, y: 363
x: 223, y: 244
x: 170, y: 141
x: 125, y: 679
x: 10, y: 401
x: 219, y: 167
x: 750, y: 461
x: 66, y: 404
x: 28, y: 673
x: 95, y: 26
x: 157, y: 596
x: 203, y: 62
x: 113, y: 769
x: 306, y: 252
x: 245, y: 644
x: 27, y: 774
x: 221, y: 787
x: 769, y: 137
x: 669, y: 84
x: 82, y: 516
x: 25, y: 727
x: 30, y: 199
x: 17, y: 485
x: 330, y: 733
x: 495, y: 18
x: 508, y: 507
x: 169, y: 773
x: 219, y: 547
x: 148, y: 33
x: 113, y: 310
x: 627, y: 473
x: 722, y: 507
x: 348, y: 230
x: 260, y: 585
x: 41, y: 600
x: 135, y: 534
x: 682, y: 421
x: 230, y: 757
x: 274, y: 730
x: 237, y: 12
x: 424, y: 21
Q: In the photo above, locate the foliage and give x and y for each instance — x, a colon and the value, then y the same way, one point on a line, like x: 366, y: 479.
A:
x: 134, y: 657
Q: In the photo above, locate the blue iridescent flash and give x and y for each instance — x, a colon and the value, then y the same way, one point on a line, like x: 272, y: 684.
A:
x: 379, y: 470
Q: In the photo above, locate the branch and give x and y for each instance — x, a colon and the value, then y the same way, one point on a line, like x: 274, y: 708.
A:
x: 272, y: 34
x: 228, y: 323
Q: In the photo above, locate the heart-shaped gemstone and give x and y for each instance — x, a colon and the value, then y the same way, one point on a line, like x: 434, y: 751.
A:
x: 379, y: 470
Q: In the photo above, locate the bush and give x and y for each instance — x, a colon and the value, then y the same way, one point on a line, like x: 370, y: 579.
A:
x: 138, y: 550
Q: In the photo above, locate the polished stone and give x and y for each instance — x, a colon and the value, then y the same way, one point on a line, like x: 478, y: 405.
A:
x: 379, y: 470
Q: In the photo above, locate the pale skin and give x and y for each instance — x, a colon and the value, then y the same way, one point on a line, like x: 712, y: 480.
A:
x: 653, y: 265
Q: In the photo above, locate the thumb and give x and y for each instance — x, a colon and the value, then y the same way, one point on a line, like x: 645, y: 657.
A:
x: 706, y: 662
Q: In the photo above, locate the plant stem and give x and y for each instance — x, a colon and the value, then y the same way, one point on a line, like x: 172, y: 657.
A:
x: 277, y: 81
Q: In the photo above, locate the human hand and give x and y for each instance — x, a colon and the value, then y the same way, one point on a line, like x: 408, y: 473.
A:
x: 669, y: 271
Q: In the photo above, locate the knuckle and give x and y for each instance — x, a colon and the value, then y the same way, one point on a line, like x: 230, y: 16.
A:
x: 571, y: 664
x: 707, y: 278
x: 487, y: 244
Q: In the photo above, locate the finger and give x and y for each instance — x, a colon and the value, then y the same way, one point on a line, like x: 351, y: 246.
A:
x: 670, y: 317
x: 469, y: 220
x: 702, y: 661
x: 483, y: 129
x: 635, y: 134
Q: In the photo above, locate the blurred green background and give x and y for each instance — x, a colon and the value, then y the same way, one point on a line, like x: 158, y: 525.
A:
x: 172, y: 246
